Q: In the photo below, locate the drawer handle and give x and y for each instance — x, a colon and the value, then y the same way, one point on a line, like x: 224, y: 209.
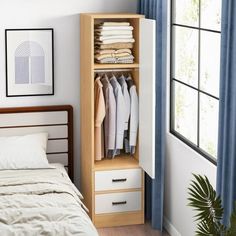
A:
x: 119, y: 203
x: 119, y: 180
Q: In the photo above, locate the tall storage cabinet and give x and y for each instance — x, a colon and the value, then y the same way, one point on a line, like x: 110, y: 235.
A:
x: 113, y: 189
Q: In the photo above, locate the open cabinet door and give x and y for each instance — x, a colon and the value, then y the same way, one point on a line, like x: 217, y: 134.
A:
x: 147, y: 96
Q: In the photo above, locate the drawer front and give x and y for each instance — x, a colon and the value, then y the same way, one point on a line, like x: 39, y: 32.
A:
x: 118, y: 202
x: 118, y: 179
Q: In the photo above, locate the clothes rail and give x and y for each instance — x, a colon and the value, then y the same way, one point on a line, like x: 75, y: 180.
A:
x: 113, y: 70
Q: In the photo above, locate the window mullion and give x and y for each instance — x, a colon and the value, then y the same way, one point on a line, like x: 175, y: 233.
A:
x: 199, y: 71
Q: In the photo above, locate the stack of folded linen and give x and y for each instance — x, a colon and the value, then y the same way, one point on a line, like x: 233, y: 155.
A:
x: 113, y: 42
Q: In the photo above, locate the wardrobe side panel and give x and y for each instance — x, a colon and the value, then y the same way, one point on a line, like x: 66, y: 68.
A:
x: 87, y: 110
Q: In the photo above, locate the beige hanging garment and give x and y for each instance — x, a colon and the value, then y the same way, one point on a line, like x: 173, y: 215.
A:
x: 99, y: 115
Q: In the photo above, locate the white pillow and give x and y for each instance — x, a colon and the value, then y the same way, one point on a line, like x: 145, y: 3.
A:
x: 24, y: 152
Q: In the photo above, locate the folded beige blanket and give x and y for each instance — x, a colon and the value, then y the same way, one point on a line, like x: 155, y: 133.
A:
x: 128, y: 57
x: 114, y: 46
x: 113, y: 32
x: 107, y: 51
x: 117, y: 40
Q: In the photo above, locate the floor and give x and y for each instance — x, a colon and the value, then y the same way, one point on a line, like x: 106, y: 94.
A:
x: 137, y: 230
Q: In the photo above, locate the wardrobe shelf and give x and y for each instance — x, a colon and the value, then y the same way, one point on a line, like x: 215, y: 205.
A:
x: 120, y: 162
x: 116, y: 66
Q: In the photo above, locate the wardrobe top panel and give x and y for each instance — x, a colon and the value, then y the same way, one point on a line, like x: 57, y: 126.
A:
x: 113, y: 15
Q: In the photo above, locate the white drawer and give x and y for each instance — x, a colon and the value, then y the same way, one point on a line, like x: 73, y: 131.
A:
x: 118, y: 179
x: 118, y: 202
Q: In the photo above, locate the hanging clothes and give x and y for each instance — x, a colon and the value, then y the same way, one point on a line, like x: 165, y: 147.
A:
x: 134, y: 116
x: 99, y: 115
x: 124, y: 88
x: 110, y: 118
x: 120, y: 113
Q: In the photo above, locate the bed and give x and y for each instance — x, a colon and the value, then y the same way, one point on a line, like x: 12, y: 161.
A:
x: 42, y: 201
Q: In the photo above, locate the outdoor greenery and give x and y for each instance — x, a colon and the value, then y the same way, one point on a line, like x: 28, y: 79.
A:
x: 204, y: 200
x: 189, y: 66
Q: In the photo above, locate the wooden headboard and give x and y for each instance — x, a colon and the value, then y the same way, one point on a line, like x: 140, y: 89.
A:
x: 57, y: 121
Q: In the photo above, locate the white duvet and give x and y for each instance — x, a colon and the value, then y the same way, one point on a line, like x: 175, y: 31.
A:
x: 41, y: 202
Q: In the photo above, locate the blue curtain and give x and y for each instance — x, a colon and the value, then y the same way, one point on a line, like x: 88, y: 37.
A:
x: 157, y: 9
x: 226, y: 167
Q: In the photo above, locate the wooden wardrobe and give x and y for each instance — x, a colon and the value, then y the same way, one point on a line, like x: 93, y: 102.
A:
x: 113, y: 189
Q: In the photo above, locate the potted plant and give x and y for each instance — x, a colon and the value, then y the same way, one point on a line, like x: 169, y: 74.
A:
x: 204, y: 200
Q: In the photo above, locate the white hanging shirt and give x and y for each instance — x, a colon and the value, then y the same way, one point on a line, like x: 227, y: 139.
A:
x: 120, y: 112
x: 134, y: 113
x: 126, y: 95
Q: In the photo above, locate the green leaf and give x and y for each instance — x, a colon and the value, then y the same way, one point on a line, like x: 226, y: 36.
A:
x: 232, y: 229
x: 204, y: 229
x: 204, y: 200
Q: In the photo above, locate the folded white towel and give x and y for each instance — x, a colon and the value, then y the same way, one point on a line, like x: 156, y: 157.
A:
x: 110, y: 23
x: 116, y: 27
x: 101, y: 38
x: 108, y: 41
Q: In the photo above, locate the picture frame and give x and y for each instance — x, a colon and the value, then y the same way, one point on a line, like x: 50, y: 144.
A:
x: 29, y: 62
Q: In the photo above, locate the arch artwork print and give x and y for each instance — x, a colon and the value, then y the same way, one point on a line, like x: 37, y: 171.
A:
x: 29, y: 62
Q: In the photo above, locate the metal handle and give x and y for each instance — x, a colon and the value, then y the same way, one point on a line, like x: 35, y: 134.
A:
x: 119, y: 203
x: 119, y: 180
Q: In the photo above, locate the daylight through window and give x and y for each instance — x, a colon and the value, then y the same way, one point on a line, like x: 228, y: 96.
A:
x: 195, y: 70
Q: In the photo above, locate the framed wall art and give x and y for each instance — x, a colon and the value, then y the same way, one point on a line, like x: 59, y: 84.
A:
x: 29, y: 62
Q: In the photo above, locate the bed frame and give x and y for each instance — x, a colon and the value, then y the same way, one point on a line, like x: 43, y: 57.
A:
x: 57, y: 121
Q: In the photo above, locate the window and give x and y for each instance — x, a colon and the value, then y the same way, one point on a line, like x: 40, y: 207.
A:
x: 195, y: 70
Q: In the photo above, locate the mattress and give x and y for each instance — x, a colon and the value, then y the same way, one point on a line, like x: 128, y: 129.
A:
x: 41, y: 202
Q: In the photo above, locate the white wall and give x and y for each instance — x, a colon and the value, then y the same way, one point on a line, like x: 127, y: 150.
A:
x: 63, y: 16
x: 181, y: 162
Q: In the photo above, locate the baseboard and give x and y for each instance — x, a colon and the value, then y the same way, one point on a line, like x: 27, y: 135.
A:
x: 170, y: 228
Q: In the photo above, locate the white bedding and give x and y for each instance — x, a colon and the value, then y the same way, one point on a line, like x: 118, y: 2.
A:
x: 41, y: 202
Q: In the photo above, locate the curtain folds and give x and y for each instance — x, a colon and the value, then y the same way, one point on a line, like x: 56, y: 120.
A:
x: 226, y: 166
x: 157, y: 9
